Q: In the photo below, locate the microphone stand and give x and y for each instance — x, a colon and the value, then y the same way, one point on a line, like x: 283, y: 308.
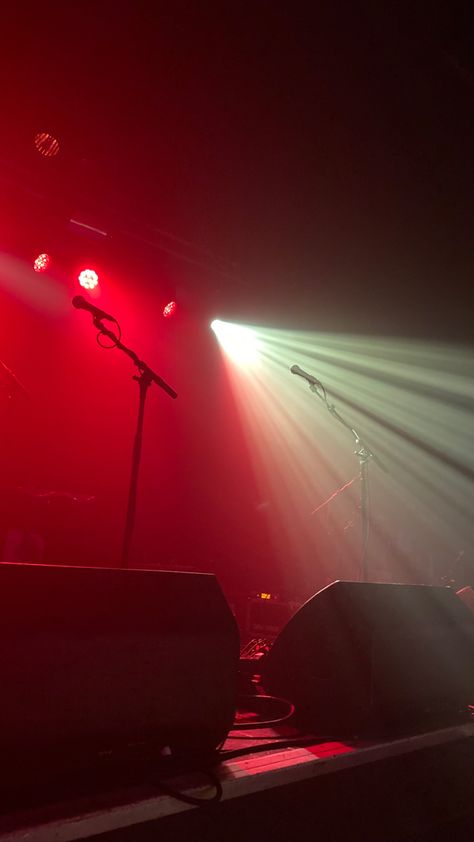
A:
x: 364, y: 455
x: 144, y: 379
x: 12, y: 384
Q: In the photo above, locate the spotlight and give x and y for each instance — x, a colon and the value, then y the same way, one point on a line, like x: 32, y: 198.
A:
x: 88, y: 279
x: 169, y: 310
x: 46, y: 144
x: 239, y: 343
x: 41, y: 263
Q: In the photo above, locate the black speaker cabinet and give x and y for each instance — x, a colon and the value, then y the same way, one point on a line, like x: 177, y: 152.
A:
x: 94, y: 661
x: 371, y: 659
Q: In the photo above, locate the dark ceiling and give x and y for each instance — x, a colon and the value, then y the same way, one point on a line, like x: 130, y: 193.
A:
x: 316, y: 168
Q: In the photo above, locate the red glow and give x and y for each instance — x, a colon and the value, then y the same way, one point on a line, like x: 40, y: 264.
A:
x: 88, y: 278
x: 41, y: 263
x: 170, y: 309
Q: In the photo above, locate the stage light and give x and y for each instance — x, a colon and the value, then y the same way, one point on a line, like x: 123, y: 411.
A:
x: 88, y: 279
x: 411, y: 400
x: 41, y: 263
x: 169, y: 310
x: 240, y: 343
x: 46, y: 144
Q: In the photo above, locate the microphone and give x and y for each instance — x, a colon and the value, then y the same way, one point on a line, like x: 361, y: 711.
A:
x: 313, y: 381
x: 81, y: 304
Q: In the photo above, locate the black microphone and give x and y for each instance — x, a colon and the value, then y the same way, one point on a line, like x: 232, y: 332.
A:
x: 313, y: 381
x: 81, y: 304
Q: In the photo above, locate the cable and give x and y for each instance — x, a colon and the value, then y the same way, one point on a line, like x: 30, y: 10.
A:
x: 266, y: 723
x: 223, y: 756
x: 117, y: 338
x: 192, y: 799
x: 230, y: 754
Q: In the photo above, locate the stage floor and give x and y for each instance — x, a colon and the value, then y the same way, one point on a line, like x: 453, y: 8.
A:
x: 274, y: 792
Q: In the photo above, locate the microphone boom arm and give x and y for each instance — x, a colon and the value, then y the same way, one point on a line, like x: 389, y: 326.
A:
x: 143, y: 368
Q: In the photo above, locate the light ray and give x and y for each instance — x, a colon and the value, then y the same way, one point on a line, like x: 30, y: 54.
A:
x: 412, y: 401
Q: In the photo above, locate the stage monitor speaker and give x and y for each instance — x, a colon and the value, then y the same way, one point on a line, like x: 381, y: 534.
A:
x: 94, y: 661
x: 375, y: 659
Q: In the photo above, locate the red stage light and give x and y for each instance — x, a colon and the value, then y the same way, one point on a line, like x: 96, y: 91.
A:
x: 41, y: 263
x: 169, y: 309
x: 88, y: 278
x: 46, y: 144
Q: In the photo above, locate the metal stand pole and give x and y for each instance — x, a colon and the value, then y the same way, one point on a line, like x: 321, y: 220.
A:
x: 364, y: 455
x: 144, y: 383
x: 146, y: 377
